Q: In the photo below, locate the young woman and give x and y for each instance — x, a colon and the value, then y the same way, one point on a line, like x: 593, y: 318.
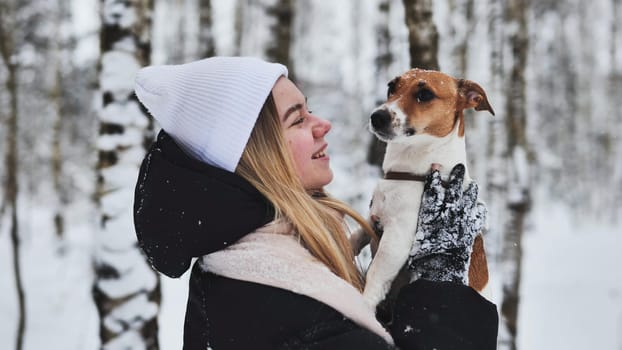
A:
x: 236, y: 180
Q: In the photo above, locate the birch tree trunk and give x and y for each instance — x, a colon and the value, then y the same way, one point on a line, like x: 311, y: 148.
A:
x: 264, y: 27
x: 7, y: 50
x: 496, y: 182
x: 57, y: 156
x: 422, y: 34
x: 207, y: 46
x: 604, y: 108
x: 179, y: 43
x: 56, y: 97
x: 126, y: 290
x: 518, y: 167
x: 238, y: 27
x: 615, y: 78
x: 377, y: 148
x: 278, y: 50
x: 459, y: 32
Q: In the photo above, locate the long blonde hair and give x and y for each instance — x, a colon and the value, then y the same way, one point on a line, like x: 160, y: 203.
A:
x: 318, y: 219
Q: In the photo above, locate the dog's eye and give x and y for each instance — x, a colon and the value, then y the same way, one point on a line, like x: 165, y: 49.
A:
x: 424, y: 95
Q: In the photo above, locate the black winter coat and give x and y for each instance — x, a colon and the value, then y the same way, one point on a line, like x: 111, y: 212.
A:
x: 184, y: 209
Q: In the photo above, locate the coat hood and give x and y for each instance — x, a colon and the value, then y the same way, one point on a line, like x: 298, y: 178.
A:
x: 184, y: 208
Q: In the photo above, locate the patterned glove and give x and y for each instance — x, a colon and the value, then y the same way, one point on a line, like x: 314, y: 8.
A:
x: 449, y: 220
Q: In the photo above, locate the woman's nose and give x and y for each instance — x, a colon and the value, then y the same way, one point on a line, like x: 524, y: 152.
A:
x: 321, y: 128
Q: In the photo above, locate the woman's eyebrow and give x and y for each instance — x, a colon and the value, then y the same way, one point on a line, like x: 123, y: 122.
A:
x: 292, y: 109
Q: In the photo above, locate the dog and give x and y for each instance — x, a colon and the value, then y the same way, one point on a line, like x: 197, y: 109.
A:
x: 422, y: 123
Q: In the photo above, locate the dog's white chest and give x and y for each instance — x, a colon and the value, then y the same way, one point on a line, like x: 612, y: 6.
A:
x: 396, y: 201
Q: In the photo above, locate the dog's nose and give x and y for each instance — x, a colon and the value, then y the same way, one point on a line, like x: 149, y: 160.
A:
x: 380, y: 119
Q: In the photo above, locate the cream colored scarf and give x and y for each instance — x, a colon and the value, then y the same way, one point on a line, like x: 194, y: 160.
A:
x: 273, y: 257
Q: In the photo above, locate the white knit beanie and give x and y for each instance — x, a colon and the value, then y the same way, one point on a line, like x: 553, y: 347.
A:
x: 209, y: 107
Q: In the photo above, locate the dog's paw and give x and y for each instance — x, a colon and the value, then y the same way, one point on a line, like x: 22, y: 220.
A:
x: 376, y: 224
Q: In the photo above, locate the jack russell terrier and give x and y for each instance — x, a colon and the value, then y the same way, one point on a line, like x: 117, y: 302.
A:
x: 422, y: 122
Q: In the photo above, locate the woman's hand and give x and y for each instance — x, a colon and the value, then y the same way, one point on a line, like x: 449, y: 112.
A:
x: 449, y: 220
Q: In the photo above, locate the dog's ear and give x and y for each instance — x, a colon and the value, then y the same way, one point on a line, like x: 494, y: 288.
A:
x: 392, y: 86
x: 473, y: 96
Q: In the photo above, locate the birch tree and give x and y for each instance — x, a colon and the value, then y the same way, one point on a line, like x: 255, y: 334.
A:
x: 263, y: 28
x: 126, y: 290
x: 556, y: 78
x: 278, y: 50
x: 601, y: 72
x: 11, y: 185
x: 518, y: 167
x: 615, y: 88
x: 188, y: 33
x: 508, y: 154
x: 496, y: 175
x: 207, y: 47
x: 384, y: 58
x: 462, y: 26
x: 58, y: 41
x: 422, y: 34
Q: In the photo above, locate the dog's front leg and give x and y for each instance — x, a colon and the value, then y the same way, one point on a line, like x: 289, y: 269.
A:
x: 399, y: 221
x: 392, y: 254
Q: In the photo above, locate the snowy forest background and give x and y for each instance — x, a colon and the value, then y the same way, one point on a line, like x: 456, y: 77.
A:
x: 72, y: 137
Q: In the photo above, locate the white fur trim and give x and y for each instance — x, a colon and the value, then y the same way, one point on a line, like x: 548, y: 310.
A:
x: 270, y: 256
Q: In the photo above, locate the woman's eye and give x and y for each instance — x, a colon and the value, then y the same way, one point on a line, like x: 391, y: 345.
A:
x: 424, y: 95
x: 298, y: 121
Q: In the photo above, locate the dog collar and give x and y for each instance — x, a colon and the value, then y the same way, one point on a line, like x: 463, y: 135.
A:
x: 396, y: 175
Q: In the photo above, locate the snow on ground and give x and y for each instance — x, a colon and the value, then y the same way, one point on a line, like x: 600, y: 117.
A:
x: 571, y: 289
x: 57, y: 280
x: 572, y: 284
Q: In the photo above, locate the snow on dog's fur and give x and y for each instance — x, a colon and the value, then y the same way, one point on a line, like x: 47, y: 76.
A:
x: 422, y: 122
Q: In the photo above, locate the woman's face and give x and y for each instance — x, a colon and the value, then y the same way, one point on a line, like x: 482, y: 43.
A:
x: 304, y: 132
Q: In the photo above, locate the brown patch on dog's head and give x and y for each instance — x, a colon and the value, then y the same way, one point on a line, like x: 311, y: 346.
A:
x: 427, y: 99
x: 433, y: 102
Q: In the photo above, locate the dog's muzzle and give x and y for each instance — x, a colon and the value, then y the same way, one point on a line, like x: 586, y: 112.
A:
x: 386, y: 125
x: 380, y: 120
